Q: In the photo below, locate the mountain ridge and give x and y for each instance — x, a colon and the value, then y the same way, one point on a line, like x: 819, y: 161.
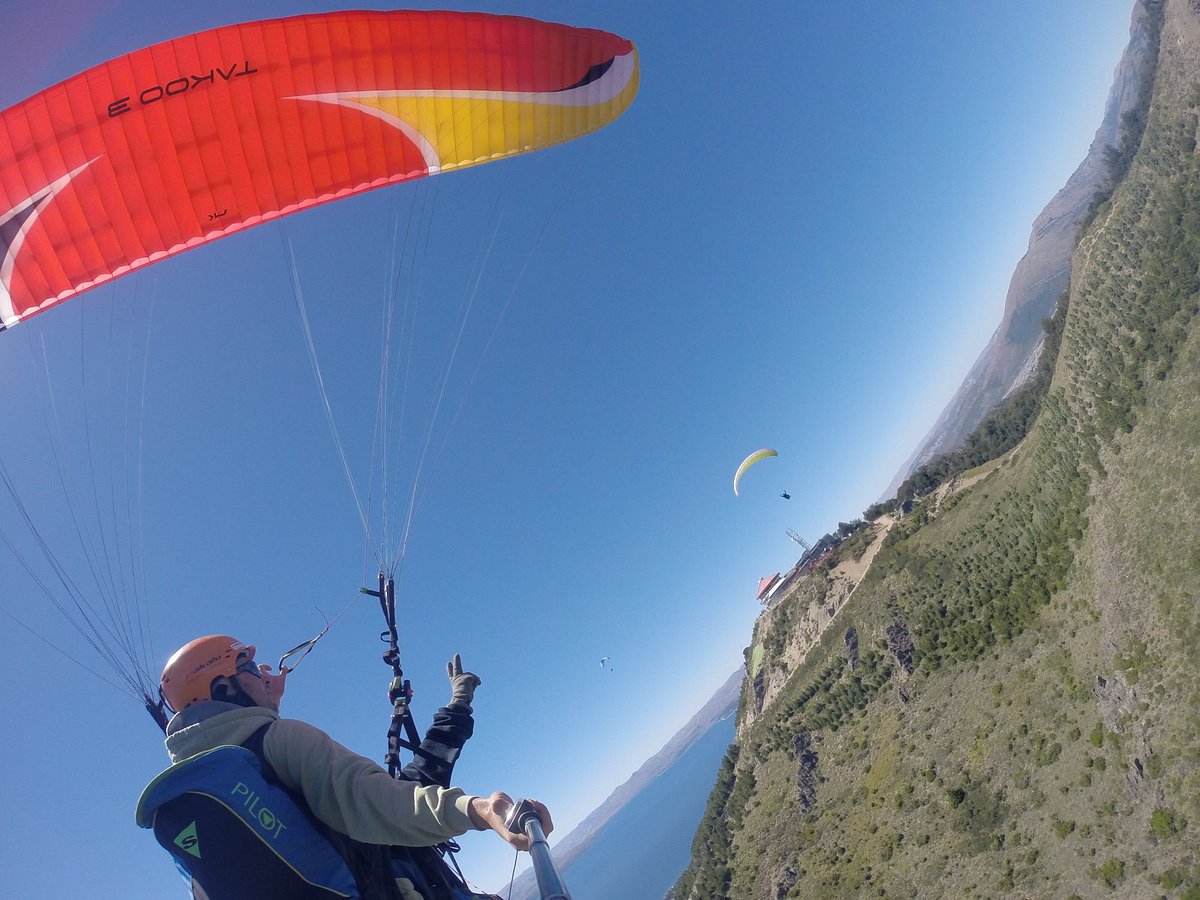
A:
x: 721, y: 705
x: 1044, y: 272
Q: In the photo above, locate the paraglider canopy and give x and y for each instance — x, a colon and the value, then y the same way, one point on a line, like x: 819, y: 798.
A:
x: 750, y: 460
x: 168, y: 148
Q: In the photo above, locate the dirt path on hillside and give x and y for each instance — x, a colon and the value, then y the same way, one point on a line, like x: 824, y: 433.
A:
x: 856, y: 569
x: 847, y: 575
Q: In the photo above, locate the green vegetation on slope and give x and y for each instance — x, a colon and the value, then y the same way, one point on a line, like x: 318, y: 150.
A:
x: 1022, y: 715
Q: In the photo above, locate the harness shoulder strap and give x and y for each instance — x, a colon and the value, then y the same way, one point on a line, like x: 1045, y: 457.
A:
x: 370, y: 864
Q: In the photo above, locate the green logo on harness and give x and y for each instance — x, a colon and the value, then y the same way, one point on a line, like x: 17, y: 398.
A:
x: 188, y: 841
x: 259, y: 814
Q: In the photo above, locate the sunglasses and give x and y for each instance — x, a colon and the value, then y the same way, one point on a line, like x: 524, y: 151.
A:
x: 249, y: 666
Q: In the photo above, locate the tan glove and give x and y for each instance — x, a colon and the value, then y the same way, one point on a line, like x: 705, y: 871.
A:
x: 462, y: 685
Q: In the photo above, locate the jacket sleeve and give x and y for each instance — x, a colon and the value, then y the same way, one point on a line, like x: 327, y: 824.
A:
x: 355, y: 796
x: 433, y: 762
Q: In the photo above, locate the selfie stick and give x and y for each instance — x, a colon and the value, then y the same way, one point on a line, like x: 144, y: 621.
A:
x: 523, y: 819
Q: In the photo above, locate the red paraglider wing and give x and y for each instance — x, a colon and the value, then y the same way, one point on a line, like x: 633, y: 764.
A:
x: 184, y: 142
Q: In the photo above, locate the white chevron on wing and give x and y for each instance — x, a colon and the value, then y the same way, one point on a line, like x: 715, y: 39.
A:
x: 14, y: 226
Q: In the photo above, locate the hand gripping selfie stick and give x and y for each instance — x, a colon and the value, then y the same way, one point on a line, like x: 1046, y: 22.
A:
x: 523, y: 819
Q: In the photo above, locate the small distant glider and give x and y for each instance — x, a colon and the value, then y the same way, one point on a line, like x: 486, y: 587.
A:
x: 750, y: 460
x: 605, y: 659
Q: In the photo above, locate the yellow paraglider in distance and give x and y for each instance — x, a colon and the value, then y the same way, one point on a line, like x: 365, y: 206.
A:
x: 748, y: 462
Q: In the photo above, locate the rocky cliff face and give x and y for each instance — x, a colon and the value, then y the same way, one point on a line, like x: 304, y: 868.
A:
x: 1045, y: 270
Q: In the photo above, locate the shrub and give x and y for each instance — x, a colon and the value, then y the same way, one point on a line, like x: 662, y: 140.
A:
x: 1164, y: 823
x: 1112, y: 872
x: 1063, y: 828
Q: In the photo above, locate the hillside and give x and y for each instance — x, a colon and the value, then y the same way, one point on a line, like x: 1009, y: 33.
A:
x: 1044, y: 272
x: 1006, y: 706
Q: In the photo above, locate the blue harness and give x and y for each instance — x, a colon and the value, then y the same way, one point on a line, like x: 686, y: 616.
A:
x: 235, y: 831
x: 238, y: 835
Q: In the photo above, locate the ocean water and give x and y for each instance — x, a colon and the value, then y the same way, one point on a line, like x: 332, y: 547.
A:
x: 642, y: 850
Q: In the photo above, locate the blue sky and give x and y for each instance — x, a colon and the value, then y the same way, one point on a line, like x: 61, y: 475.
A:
x: 800, y: 236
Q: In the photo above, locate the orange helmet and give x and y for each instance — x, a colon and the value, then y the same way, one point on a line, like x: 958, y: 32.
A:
x: 187, y: 676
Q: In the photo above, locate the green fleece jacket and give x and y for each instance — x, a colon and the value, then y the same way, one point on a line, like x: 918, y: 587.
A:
x: 348, y: 792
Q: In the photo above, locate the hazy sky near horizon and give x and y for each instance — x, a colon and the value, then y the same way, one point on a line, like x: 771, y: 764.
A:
x: 799, y: 236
